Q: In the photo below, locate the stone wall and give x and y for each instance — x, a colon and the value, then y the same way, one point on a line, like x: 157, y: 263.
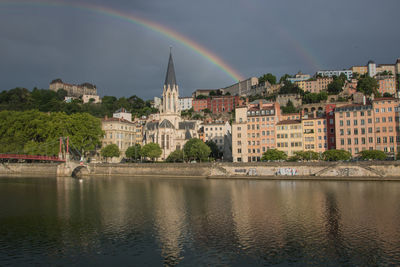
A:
x: 28, y: 170
x: 262, y: 170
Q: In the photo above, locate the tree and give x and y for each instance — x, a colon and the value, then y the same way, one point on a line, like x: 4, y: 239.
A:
x: 215, y: 152
x: 201, y: 97
x: 307, y: 155
x: 387, y: 94
x: 284, y: 78
x: 336, y: 155
x: 212, y: 93
x: 368, y: 86
x: 110, y: 151
x: 289, y: 108
x: 309, y: 98
x: 151, y: 150
x: 290, y: 88
x: 274, y: 154
x: 207, y: 111
x: 133, y: 152
x: 196, y: 149
x: 373, y: 155
x: 267, y: 77
x: 176, y: 156
x: 336, y: 86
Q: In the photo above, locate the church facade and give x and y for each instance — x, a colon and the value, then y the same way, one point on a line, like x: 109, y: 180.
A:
x: 170, y: 131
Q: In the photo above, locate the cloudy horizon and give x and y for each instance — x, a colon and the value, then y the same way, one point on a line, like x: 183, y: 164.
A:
x: 41, y: 41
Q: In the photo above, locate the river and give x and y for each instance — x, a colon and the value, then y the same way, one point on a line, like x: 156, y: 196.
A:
x: 197, y: 222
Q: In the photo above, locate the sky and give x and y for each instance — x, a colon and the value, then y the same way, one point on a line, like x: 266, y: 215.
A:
x: 83, y: 41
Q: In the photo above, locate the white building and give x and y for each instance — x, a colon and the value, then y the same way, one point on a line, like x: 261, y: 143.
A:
x: 122, y: 114
x: 299, y: 77
x: 331, y: 73
x: 157, y: 102
x: 94, y: 98
x: 221, y: 134
x: 371, y: 68
x: 186, y: 102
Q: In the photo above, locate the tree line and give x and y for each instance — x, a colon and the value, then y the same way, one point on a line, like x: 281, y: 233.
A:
x: 21, y: 99
x: 37, y: 133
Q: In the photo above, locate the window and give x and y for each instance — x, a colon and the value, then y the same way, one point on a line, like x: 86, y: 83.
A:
x: 355, y: 122
x: 370, y: 140
x: 369, y: 129
x: 390, y: 119
x: 355, y: 131
x: 369, y: 120
x: 348, y: 122
x: 362, y: 130
x: 378, y: 140
x: 362, y: 121
x: 383, y: 119
x: 341, y: 123
x: 377, y: 120
x: 363, y: 140
x: 356, y: 141
x: 349, y: 141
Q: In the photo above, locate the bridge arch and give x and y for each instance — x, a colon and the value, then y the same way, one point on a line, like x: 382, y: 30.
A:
x: 79, y: 171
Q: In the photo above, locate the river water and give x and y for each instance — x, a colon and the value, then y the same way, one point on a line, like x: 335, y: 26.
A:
x: 197, y: 222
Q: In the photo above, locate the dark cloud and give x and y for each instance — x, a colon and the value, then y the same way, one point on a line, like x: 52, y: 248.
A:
x: 40, y: 43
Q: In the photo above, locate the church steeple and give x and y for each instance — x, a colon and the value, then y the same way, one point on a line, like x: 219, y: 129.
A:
x: 170, y: 79
x: 170, y: 102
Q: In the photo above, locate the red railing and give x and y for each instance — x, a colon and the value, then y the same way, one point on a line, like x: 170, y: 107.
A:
x: 30, y: 157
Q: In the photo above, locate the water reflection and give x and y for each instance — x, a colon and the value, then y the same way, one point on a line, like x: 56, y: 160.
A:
x: 147, y: 221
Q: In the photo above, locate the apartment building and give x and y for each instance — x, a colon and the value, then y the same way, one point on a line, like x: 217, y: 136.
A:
x: 387, y: 84
x: 121, y: 132
x: 185, y: 103
x: 253, y: 131
x: 74, y: 90
x: 385, y: 124
x: 220, y: 134
x: 289, y: 136
x: 217, y: 104
x: 331, y: 73
x: 315, y: 136
x: 315, y: 86
x: 355, y: 128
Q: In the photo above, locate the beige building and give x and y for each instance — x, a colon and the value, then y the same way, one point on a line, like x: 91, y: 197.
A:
x: 221, y: 134
x: 315, y: 85
x: 360, y: 70
x: 121, y: 132
x: 73, y: 89
x: 170, y: 131
x: 289, y: 136
x: 314, y: 134
x: 253, y: 131
x: 242, y: 88
x: 91, y: 98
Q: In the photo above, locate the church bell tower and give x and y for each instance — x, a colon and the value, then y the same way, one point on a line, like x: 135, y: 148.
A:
x: 170, y: 96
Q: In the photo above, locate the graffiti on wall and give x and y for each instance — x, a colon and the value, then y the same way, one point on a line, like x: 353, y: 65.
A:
x: 287, y: 171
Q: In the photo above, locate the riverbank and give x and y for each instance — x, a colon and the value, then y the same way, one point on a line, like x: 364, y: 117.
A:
x: 369, y: 170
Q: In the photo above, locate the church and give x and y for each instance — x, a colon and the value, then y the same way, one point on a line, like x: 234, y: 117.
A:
x: 170, y: 131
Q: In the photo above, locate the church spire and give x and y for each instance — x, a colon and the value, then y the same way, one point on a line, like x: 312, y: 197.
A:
x: 170, y: 78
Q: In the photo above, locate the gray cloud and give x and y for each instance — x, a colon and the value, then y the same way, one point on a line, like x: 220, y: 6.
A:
x: 39, y: 43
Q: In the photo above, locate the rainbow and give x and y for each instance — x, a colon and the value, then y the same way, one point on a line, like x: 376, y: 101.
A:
x: 154, y: 26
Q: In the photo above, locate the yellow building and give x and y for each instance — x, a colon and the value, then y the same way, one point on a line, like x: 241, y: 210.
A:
x: 289, y: 136
x: 121, y: 132
x: 361, y: 70
x: 314, y: 134
x: 315, y: 85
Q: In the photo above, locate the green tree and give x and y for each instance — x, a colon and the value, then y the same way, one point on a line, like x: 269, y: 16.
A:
x: 336, y: 86
x: 133, y: 152
x: 336, y: 155
x: 368, y: 85
x: 201, y: 97
x: 196, y: 149
x: 151, y: 150
x: 110, y: 151
x: 386, y: 94
x: 373, y: 155
x: 273, y: 154
x: 284, y: 78
x: 289, y: 108
x: 267, y: 77
x: 290, y: 88
x: 215, y: 152
x: 307, y: 155
x: 176, y: 156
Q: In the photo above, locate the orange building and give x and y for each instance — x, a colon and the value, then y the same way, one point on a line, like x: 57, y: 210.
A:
x: 387, y: 84
x: 385, y: 124
x: 253, y: 131
x: 315, y: 85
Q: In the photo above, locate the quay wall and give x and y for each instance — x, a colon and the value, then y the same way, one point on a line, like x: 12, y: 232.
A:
x: 370, y: 170
x: 28, y: 169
